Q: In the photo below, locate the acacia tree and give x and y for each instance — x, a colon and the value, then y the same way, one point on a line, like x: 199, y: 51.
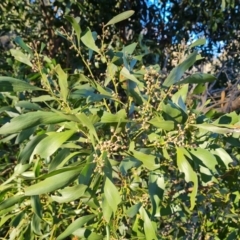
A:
x: 114, y: 148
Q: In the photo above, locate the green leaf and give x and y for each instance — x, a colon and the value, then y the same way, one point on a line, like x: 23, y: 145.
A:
x: 86, y: 122
x: 5, y: 218
x: 190, y: 175
x: 223, y: 6
x: 79, y: 222
x: 133, y: 210
x: 199, y: 42
x: 60, y: 162
x: 176, y: 74
x: 9, y: 84
x: 61, y: 155
x: 206, y: 157
x: 26, y: 152
x: 198, y: 78
x: 86, y: 233
x: 174, y: 112
x: 76, y: 26
x: 149, y: 229
x: 130, y: 48
x: 43, y: 98
x: 54, y: 182
x: 70, y: 193
x: 24, y: 135
x: 36, y: 224
x: 87, y: 171
x: 32, y: 119
x: 111, y: 71
x: 156, y: 187
x: 51, y: 143
x: 216, y: 128
x: 21, y: 57
x: 181, y: 93
x: 147, y: 160
x: 120, y: 116
x: 106, y: 210
x: 89, y: 42
x: 11, y: 201
x: 138, y: 229
x: 126, y: 75
x: 112, y: 195
x: 28, y: 105
x: 63, y: 83
x: 162, y: 124
x: 223, y: 156
x: 17, y: 219
x: 120, y: 17
x: 23, y: 45
x: 36, y: 205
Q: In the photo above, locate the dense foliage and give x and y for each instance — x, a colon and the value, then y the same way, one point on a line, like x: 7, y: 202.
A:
x: 100, y: 142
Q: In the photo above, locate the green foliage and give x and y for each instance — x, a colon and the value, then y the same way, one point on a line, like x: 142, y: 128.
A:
x: 115, y: 150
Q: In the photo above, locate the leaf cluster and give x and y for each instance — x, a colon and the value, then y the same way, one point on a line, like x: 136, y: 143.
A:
x: 117, y: 153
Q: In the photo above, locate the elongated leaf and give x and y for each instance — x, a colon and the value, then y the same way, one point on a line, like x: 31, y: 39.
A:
x: 190, y: 176
x: 112, y: 195
x: 120, y: 116
x: 43, y: 98
x: 36, y: 224
x: 181, y: 93
x: 66, y: 159
x: 36, y: 205
x: 28, y: 105
x: 223, y: 155
x: 126, y: 75
x: 51, y: 144
x: 107, y: 210
x: 86, y: 122
x: 133, y: 210
x: 198, y: 42
x: 156, y: 187
x: 76, y: 26
x: 87, y: 171
x: 62, y: 154
x: 205, y: 157
x: 217, y: 128
x: 162, y: 124
x: 63, y: 83
x: 111, y: 71
x: 149, y: 229
x: 198, y: 78
x: 147, y: 160
x: 21, y: 57
x: 120, y: 17
x: 53, y: 182
x: 174, y: 112
x: 138, y: 229
x: 89, y: 42
x: 176, y: 74
x: 9, y: 84
x: 70, y: 193
x: 17, y: 219
x: 85, y: 233
x: 26, y: 152
x: 5, y: 218
x: 78, y: 223
x: 32, y: 119
x: 23, y: 45
x: 11, y: 201
x: 24, y: 135
x: 130, y: 48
